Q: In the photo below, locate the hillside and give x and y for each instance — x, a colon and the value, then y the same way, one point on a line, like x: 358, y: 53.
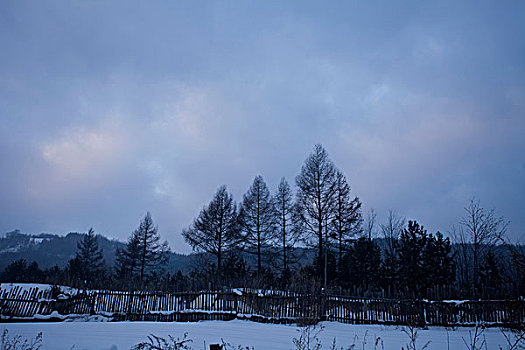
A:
x: 50, y: 249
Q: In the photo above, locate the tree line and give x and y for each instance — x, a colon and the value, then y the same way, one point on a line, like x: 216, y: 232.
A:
x: 315, y: 238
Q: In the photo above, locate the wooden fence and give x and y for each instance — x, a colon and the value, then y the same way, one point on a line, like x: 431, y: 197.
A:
x: 20, y: 304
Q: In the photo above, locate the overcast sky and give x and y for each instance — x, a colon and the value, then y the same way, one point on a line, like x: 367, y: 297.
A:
x: 109, y: 110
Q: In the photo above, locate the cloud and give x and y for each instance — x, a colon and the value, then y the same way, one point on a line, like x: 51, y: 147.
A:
x: 154, y: 107
x: 80, y: 151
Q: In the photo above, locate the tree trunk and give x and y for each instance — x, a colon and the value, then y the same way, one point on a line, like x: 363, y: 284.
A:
x: 143, y: 260
x: 259, y: 265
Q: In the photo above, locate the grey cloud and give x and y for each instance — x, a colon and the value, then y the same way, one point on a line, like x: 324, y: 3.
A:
x: 110, y: 110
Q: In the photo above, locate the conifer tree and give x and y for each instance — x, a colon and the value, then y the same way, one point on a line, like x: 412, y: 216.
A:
x: 361, y: 264
x: 316, y: 194
x: 410, y: 256
x: 88, y: 264
x: 390, y: 269
x: 316, y: 199
x: 216, y: 228
x: 423, y: 260
x: 128, y: 259
x: 287, y: 236
x: 152, y: 253
x: 438, y: 261
x: 256, y: 217
x: 491, y: 272
x: 347, y: 218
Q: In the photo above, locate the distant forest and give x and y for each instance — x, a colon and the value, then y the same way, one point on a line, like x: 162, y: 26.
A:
x: 309, y: 239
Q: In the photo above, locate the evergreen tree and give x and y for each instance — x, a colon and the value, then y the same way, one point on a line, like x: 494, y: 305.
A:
x: 361, y: 265
x: 491, y: 272
x: 20, y: 271
x: 347, y: 219
x: 235, y: 269
x: 423, y: 260
x: 410, y: 256
x: 318, y: 266
x: 216, y: 229
x: 438, y: 261
x: 256, y: 217
x: 76, y: 272
x: 390, y: 269
x: 88, y: 264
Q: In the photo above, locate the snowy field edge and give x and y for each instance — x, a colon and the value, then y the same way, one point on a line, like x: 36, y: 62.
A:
x: 123, y: 335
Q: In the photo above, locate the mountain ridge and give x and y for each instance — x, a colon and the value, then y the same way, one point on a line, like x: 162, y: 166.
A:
x: 49, y: 250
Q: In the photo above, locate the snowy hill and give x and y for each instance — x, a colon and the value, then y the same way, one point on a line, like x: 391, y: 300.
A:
x: 49, y: 250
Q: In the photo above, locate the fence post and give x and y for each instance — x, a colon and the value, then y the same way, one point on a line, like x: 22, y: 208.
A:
x: 130, y: 303
x: 92, y: 306
x: 324, y: 300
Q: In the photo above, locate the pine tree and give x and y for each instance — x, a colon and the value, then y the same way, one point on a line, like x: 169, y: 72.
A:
x: 390, y: 269
x: 216, y: 229
x: 89, y: 260
x: 257, y: 221
x: 410, y: 256
x: 490, y: 271
x: 423, y: 260
x: 20, y: 271
x: 361, y: 264
x: 347, y: 218
x: 438, y: 261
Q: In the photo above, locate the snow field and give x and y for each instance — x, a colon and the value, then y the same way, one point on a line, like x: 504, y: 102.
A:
x: 123, y: 335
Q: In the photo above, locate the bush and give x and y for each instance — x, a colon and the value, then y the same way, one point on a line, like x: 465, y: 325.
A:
x: 158, y: 343
x: 18, y: 343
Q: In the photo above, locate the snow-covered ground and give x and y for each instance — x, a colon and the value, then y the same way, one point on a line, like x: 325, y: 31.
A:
x: 123, y: 335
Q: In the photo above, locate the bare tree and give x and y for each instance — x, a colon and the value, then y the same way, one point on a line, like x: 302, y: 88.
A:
x: 517, y: 253
x: 216, y: 229
x: 287, y: 236
x: 347, y: 219
x: 392, y: 229
x: 153, y: 254
x: 256, y: 217
x: 370, y: 223
x: 316, y: 197
x: 477, y: 230
x: 128, y: 258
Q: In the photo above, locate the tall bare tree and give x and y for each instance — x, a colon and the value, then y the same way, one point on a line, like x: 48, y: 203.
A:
x: 347, y: 219
x: 517, y: 253
x: 316, y: 197
x: 128, y: 258
x: 256, y: 217
x: 478, y: 229
x: 370, y: 224
x: 153, y: 253
x: 392, y: 229
x: 216, y: 229
x: 287, y: 236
